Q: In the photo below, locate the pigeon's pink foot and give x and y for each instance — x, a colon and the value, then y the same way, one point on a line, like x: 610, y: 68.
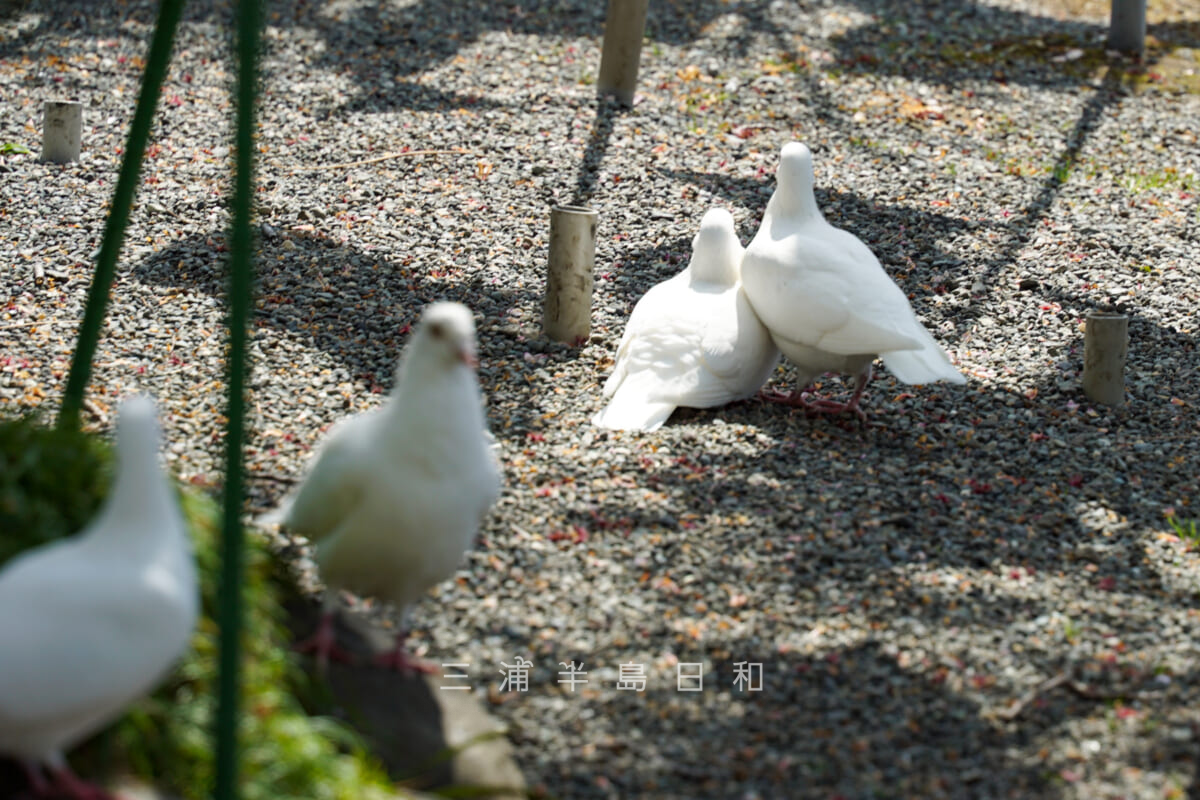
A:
x: 399, y: 659
x: 824, y: 406
x: 821, y: 405
x: 38, y: 785
x: 323, y: 644
x: 808, y: 404
x: 796, y: 399
x: 67, y: 784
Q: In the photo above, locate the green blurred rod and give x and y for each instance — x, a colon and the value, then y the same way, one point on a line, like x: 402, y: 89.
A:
x: 241, y: 282
x: 157, y: 62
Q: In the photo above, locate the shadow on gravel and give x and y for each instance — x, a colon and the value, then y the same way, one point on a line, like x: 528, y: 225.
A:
x: 815, y: 729
x: 607, y: 112
x: 352, y: 304
x: 948, y: 42
x: 882, y: 560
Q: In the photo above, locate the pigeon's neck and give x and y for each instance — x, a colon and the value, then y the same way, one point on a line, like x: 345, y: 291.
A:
x: 793, y: 204
x: 437, y: 395
x: 141, y: 510
x: 719, y: 267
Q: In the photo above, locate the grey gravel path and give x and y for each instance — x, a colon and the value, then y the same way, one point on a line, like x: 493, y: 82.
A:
x: 979, y: 595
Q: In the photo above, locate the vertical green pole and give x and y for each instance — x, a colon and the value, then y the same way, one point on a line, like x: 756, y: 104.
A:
x: 157, y: 61
x: 241, y: 268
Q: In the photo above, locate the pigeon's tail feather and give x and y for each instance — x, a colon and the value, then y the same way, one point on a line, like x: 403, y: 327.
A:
x: 627, y: 411
x: 614, y: 381
x: 927, y: 365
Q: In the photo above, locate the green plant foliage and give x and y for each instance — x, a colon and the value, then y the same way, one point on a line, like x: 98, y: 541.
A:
x: 8, y: 148
x: 53, y: 481
x: 286, y: 753
x: 1186, y: 530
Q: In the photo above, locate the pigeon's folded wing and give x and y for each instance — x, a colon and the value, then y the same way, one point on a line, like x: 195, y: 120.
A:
x: 828, y: 291
x: 646, y: 317
x: 665, y: 361
x: 337, y: 480
x: 737, y: 351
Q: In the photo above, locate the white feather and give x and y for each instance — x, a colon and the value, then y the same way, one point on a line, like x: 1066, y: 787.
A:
x: 825, y: 297
x: 692, y: 340
x: 93, y: 622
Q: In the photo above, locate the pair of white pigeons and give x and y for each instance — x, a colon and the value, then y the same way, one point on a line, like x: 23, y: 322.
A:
x: 712, y: 334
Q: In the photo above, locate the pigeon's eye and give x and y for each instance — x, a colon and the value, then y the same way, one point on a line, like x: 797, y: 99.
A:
x: 436, y: 330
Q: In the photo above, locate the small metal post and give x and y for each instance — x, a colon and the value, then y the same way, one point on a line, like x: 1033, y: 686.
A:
x: 62, y: 131
x: 1127, y: 26
x: 622, y: 52
x: 567, y: 315
x: 1105, y: 345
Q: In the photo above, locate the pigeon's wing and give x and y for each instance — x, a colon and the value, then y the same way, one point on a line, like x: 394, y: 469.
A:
x: 690, y: 352
x: 880, y: 303
x: 76, y: 639
x: 826, y: 290
x: 337, y: 480
x: 736, y: 350
x: 657, y: 366
x: 646, y: 316
x: 656, y: 360
x: 698, y: 346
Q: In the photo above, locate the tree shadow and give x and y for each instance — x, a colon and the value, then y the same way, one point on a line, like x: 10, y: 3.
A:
x: 356, y: 306
x: 885, y: 560
x: 815, y: 729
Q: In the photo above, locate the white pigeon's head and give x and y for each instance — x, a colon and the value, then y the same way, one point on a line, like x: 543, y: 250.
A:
x: 794, y: 182
x: 716, y: 250
x: 446, y: 334
x: 137, y: 428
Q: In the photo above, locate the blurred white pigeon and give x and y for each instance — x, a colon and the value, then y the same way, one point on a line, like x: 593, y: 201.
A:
x: 693, y: 340
x: 92, y: 622
x: 825, y: 298
x: 396, y: 495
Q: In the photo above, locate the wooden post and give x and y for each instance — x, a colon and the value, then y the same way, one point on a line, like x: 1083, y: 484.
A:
x: 1127, y: 26
x: 1105, y: 344
x: 62, y: 131
x: 567, y: 315
x: 622, y: 52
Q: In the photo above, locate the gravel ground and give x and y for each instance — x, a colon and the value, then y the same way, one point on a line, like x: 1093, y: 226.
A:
x: 977, y: 595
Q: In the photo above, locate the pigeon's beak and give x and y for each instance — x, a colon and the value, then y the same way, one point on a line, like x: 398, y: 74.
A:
x: 467, y: 356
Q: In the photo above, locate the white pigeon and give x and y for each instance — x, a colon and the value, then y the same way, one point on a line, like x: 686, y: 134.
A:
x: 825, y: 298
x: 93, y: 622
x: 397, y: 494
x: 693, y: 340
